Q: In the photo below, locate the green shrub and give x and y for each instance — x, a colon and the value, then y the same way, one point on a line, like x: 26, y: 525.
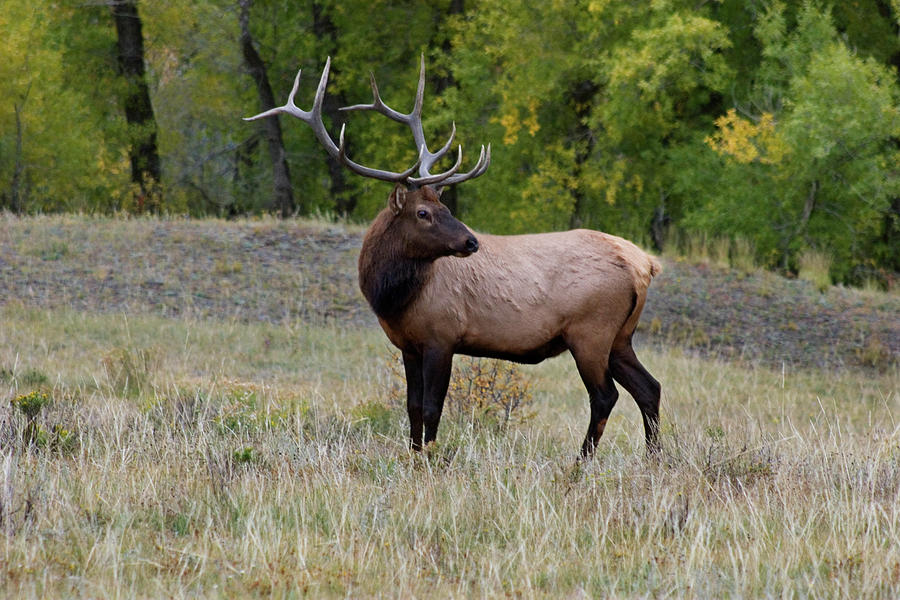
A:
x: 29, y: 378
x: 31, y: 405
x: 245, y: 409
x: 243, y: 456
x: 490, y: 392
x: 494, y: 390
x: 376, y: 415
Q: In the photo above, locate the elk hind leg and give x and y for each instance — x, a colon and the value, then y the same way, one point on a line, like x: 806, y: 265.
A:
x: 628, y: 370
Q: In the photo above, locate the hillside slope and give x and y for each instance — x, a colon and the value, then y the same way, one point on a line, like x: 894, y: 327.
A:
x: 287, y: 271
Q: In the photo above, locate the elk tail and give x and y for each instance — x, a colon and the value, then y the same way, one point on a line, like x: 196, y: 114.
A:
x: 655, y: 266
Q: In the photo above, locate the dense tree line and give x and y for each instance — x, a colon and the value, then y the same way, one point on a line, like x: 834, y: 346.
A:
x: 773, y: 121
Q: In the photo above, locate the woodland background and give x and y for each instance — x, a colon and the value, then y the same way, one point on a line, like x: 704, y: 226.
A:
x: 771, y: 123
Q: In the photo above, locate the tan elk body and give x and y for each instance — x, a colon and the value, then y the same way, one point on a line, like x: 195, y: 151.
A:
x: 518, y: 296
x: 439, y: 290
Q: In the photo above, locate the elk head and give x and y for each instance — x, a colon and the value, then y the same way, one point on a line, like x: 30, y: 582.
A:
x: 425, y: 226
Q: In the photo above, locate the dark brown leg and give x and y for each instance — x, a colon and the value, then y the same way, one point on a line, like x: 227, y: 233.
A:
x: 603, y: 398
x: 628, y: 370
x: 592, y: 362
x: 412, y: 364
x: 436, y: 367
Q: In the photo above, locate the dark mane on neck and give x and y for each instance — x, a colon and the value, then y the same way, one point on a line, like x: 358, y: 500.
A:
x: 389, y: 280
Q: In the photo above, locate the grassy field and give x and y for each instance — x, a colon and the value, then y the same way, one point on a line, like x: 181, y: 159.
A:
x: 182, y: 455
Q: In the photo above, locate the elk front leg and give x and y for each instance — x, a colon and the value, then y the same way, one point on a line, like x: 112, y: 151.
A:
x: 436, y: 367
x: 412, y: 364
x: 591, y: 358
x: 603, y: 396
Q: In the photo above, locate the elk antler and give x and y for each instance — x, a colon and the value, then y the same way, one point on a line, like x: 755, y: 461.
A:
x: 413, y: 120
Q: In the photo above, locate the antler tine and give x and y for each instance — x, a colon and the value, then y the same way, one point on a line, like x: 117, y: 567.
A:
x: 429, y: 160
x: 434, y: 157
x: 315, y: 114
x: 420, y: 89
x: 378, y: 105
x: 374, y: 173
x: 446, y: 146
x: 313, y: 117
x: 484, y: 161
x: 440, y: 177
x: 288, y: 108
x: 413, y: 120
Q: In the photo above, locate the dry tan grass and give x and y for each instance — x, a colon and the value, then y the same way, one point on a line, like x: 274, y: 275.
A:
x: 815, y: 266
x: 253, y: 461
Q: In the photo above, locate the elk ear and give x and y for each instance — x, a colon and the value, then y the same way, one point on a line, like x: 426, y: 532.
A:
x: 397, y: 199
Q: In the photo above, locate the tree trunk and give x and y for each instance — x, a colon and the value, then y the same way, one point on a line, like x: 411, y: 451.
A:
x: 659, y: 225
x: 16, y: 203
x: 326, y: 32
x: 891, y: 234
x: 808, y: 206
x: 283, y: 202
x: 242, y: 185
x: 581, y: 96
x: 145, y: 165
x: 449, y: 196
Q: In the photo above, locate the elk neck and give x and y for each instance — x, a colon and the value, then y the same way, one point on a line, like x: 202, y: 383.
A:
x: 389, y: 279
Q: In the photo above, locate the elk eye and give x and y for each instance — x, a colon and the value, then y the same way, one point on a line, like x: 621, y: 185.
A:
x: 422, y: 214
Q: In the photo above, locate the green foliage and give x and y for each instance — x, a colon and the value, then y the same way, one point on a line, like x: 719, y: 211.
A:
x: 32, y: 403
x: 774, y: 122
x: 821, y: 156
x: 51, y: 156
x: 244, y: 456
x: 375, y: 415
x: 29, y: 378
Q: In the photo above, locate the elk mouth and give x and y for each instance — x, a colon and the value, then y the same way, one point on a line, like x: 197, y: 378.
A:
x: 470, y: 246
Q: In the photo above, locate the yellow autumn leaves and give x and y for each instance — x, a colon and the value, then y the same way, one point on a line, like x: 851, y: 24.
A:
x: 746, y: 141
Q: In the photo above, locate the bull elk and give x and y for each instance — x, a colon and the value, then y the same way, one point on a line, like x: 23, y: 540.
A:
x: 439, y: 290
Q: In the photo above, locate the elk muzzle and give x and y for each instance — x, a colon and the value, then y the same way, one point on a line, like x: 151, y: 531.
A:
x: 468, y: 246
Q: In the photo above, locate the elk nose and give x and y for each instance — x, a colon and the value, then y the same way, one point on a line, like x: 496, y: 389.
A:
x: 471, y: 244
